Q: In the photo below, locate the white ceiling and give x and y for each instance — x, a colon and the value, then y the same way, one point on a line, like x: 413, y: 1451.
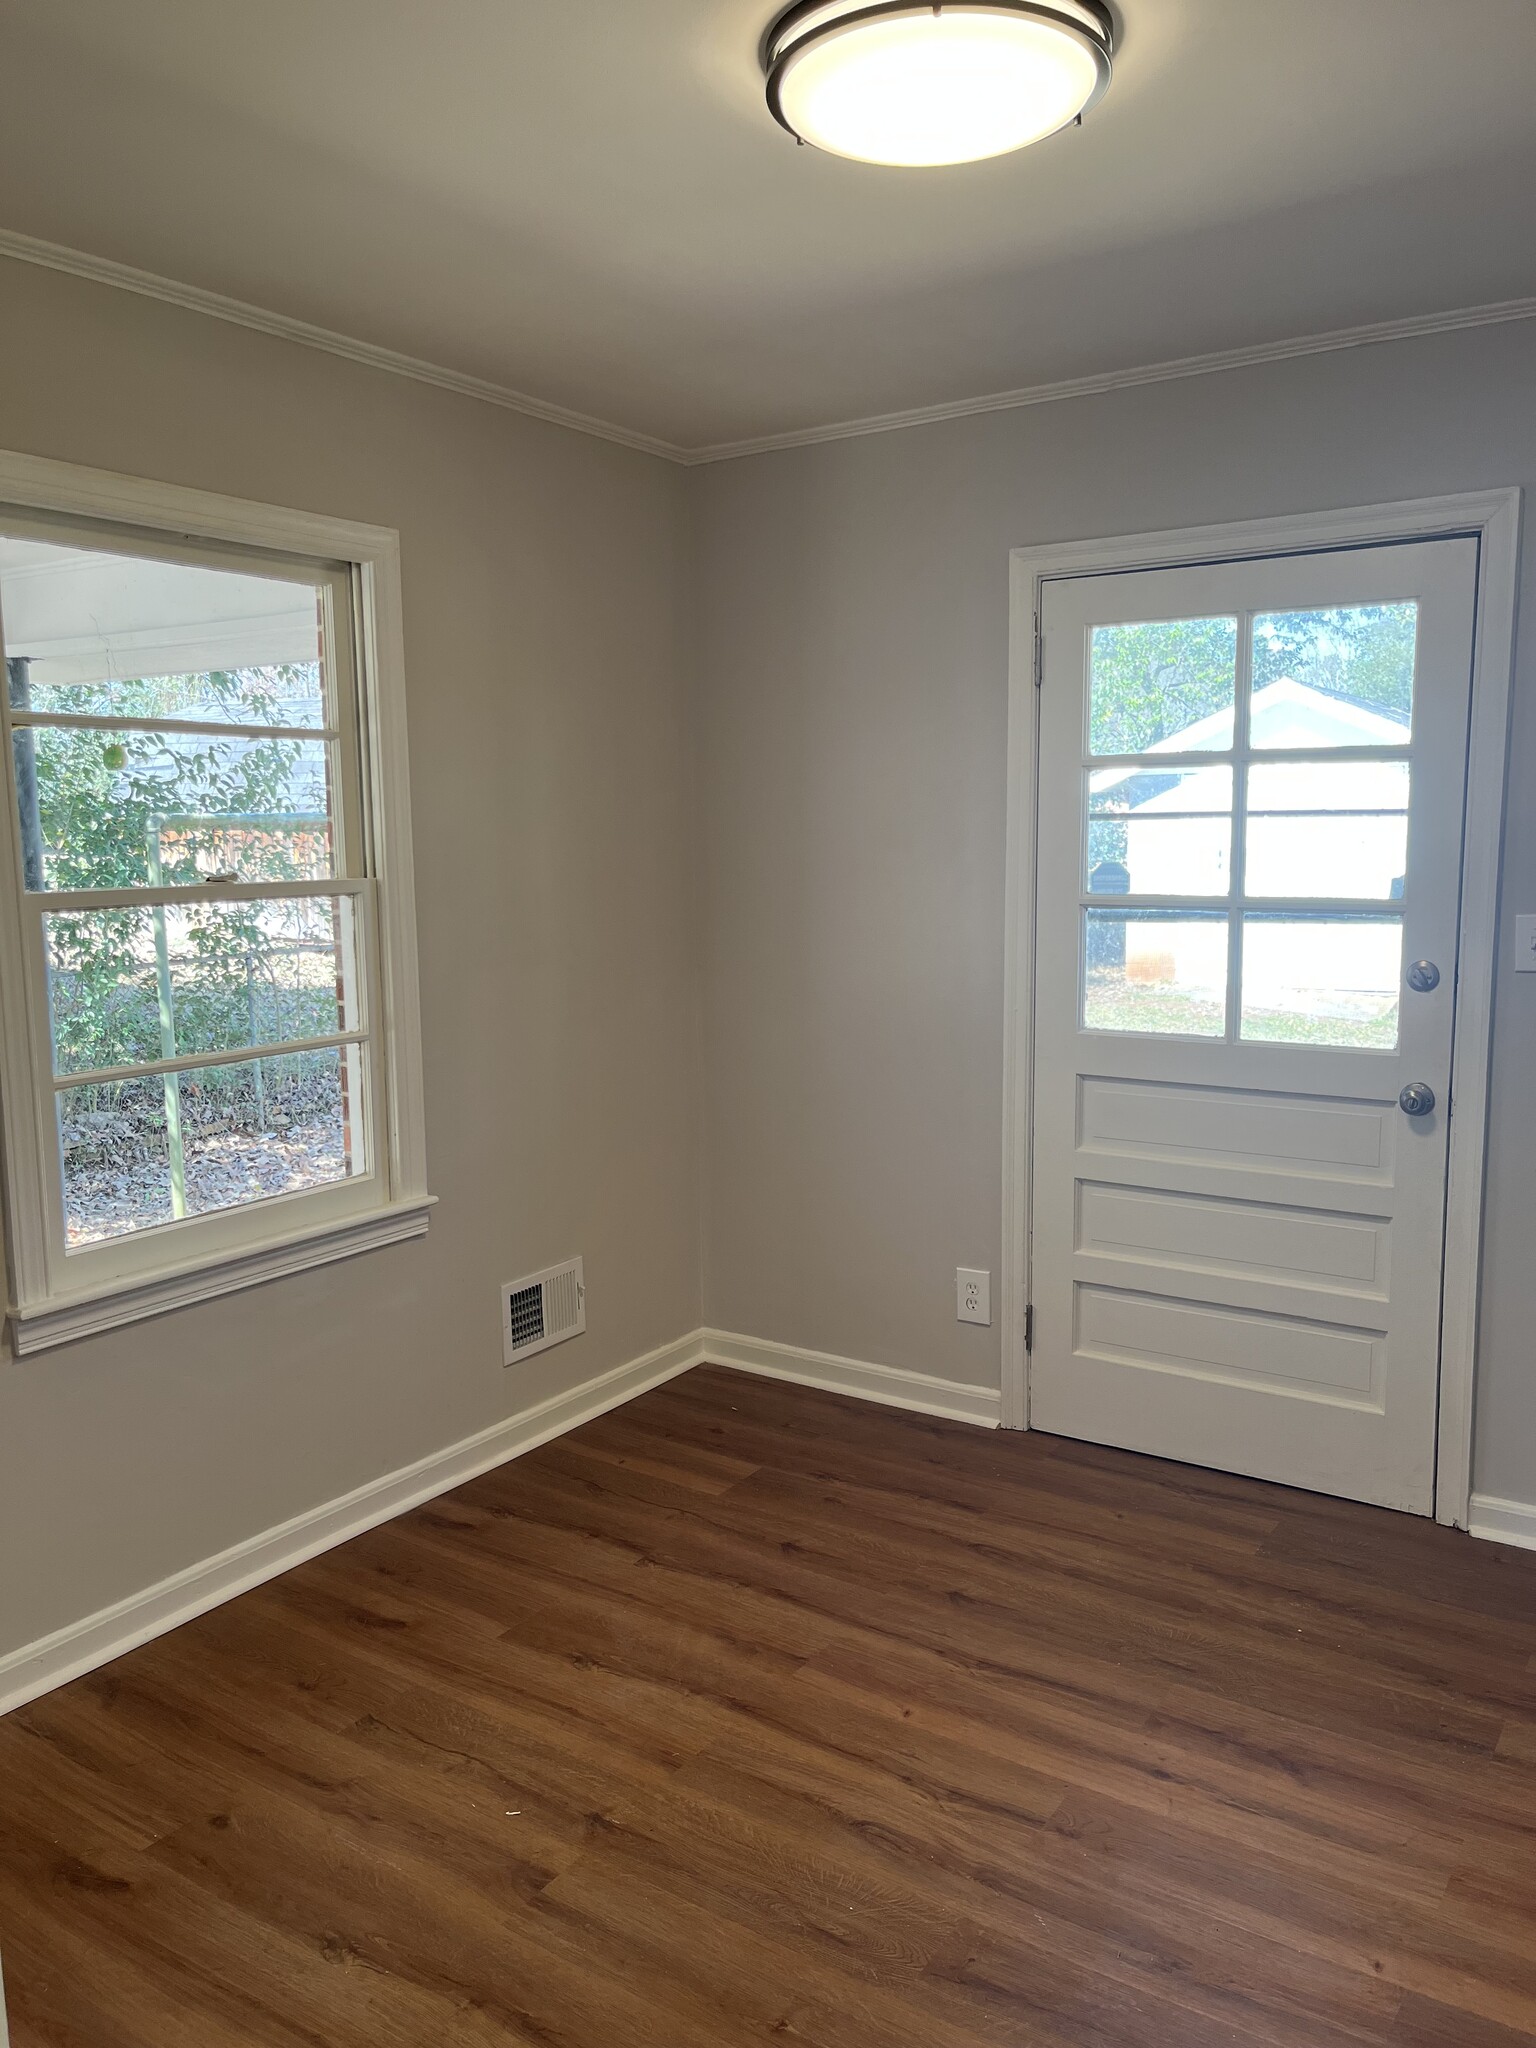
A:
x: 587, y: 200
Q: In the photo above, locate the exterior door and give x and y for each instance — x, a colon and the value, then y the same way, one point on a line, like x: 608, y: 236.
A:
x: 1250, y: 821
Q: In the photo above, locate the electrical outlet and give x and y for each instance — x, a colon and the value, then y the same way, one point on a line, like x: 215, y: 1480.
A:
x: 973, y: 1295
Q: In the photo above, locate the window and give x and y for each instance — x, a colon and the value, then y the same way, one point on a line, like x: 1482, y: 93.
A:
x: 210, y: 1057
x: 1247, y: 789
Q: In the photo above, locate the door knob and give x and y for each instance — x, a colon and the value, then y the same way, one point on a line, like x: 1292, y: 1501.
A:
x: 1423, y: 975
x: 1417, y: 1099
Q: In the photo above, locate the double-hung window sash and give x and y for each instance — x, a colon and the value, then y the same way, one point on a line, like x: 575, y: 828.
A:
x: 183, y: 730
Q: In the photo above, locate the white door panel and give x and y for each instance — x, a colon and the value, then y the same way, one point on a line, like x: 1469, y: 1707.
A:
x: 1249, y: 822
x: 1230, y: 1348
x: 1339, y: 1139
x: 1269, y: 1246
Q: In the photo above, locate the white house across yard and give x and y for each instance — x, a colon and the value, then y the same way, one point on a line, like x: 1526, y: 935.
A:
x: 1326, y: 830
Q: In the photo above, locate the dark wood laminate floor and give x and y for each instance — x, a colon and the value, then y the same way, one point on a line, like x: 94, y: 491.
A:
x: 748, y: 1714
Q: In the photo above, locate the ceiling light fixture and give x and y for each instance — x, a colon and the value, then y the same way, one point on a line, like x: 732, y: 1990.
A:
x: 897, y: 83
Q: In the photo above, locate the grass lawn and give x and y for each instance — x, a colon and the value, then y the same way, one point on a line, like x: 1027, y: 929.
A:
x: 1158, y: 1007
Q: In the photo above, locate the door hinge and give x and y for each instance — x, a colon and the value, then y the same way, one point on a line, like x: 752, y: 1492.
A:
x: 1029, y: 1326
x: 1039, y: 653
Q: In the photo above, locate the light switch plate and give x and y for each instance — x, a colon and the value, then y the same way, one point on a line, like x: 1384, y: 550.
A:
x: 1525, y: 945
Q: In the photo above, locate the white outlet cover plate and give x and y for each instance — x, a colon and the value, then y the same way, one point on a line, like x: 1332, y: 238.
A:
x: 1525, y: 945
x: 973, y: 1295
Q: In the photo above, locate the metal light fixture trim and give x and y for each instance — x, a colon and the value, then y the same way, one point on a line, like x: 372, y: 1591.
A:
x: 811, y: 25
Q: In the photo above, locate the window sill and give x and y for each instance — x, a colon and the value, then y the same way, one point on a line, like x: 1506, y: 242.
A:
x: 67, y: 1318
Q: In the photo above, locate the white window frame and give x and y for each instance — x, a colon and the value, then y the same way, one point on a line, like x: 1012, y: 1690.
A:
x: 57, y: 1297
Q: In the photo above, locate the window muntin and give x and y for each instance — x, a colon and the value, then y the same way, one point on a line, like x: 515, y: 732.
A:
x: 186, y: 758
x: 1263, y: 888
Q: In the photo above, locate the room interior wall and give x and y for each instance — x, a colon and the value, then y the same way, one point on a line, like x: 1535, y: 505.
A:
x: 551, y: 798
x: 709, y: 796
x: 853, y: 648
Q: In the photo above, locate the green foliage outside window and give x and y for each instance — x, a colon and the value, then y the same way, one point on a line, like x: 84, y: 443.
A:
x: 123, y: 809
x: 1152, y: 681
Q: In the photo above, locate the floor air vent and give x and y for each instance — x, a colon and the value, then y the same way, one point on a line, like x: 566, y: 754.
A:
x: 542, y: 1310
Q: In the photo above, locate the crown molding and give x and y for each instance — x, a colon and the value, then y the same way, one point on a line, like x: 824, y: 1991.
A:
x: 1408, y: 329
x: 194, y: 299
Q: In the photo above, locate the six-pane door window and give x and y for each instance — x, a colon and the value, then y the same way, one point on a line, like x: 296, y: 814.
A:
x: 1247, y: 783
x: 186, y: 776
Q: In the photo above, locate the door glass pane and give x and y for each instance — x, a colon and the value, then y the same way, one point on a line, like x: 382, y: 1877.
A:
x: 1328, y: 828
x: 117, y: 810
x: 1117, y: 792
x: 1155, y: 971
x: 116, y: 635
x: 1339, y: 678
x: 149, y: 984
x: 1321, y: 980
x: 1169, y: 684
x: 1153, y: 833
x: 226, y: 1137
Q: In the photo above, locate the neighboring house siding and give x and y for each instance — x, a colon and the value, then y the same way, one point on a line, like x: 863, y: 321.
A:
x: 1316, y: 968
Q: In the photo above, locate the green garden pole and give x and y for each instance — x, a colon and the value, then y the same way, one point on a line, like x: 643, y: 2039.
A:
x: 18, y: 672
x: 174, y: 1143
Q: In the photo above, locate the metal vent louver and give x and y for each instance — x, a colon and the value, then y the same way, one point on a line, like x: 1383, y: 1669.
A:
x: 542, y: 1310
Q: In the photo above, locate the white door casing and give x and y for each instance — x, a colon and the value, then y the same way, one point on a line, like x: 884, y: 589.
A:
x: 1237, y: 1245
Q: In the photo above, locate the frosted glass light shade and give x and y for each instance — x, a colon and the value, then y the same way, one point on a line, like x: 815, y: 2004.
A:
x: 917, y: 85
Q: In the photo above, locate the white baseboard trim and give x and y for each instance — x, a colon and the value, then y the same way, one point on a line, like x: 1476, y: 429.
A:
x: 1503, y: 1521
x: 85, y: 1645
x: 39, y: 1667
x: 894, y: 1385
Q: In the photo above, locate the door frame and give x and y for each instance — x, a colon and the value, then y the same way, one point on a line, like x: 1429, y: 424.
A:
x: 1492, y: 518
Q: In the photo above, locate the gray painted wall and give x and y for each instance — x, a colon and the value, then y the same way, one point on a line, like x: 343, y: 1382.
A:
x: 747, y: 722
x: 853, y: 622
x: 549, y: 773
